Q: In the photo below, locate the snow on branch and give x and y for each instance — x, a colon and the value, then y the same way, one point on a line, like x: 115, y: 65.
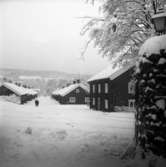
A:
x: 124, y: 23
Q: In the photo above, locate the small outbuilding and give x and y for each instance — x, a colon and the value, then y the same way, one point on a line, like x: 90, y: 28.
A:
x: 112, y: 89
x: 76, y: 93
x: 16, y: 93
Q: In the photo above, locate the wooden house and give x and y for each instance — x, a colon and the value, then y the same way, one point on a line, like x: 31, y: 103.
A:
x: 15, y: 93
x: 76, y: 93
x: 112, y: 88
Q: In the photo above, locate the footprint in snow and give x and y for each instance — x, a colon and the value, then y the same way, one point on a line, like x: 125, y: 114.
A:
x: 70, y: 124
x: 60, y: 135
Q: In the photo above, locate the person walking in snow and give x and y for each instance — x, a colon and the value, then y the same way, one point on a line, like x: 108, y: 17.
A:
x: 36, y: 102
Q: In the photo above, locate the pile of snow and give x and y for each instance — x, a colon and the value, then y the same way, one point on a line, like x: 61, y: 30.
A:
x: 62, y: 136
x: 66, y: 90
x: 153, y: 45
x: 18, y: 89
x: 12, y: 98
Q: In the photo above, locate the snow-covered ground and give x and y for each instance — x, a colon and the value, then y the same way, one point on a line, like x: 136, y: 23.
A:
x: 54, y: 135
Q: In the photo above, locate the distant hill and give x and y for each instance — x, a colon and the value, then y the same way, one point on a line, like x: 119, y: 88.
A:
x: 47, y: 81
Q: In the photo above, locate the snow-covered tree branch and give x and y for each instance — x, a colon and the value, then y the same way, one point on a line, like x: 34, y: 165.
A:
x: 124, y: 26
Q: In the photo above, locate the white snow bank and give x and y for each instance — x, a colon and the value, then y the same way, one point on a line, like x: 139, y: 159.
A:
x: 24, y: 77
x: 153, y: 45
x: 62, y: 136
x: 12, y: 98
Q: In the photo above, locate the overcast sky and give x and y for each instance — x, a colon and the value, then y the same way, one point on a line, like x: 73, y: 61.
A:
x: 45, y: 35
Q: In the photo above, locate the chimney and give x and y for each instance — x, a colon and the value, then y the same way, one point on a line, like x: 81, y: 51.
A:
x: 78, y: 80
x: 74, y: 82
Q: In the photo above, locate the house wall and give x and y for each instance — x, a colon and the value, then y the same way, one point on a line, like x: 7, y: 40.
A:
x: 119, y: 95
x: 4, y: 91
x: 117, y: 92
x: 99, y: 97
x: 25, y: 98
x: 56, y: 97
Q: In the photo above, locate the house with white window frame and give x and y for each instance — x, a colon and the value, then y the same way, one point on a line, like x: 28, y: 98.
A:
x: 112, y: 88
x: 76, y: 93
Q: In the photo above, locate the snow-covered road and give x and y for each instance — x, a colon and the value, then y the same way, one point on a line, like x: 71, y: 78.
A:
x: 62, y: 135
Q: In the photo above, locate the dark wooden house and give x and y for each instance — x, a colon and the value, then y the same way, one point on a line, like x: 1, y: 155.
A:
x: 112, y: 88
x: 17, y: 94
x: 76, y: 93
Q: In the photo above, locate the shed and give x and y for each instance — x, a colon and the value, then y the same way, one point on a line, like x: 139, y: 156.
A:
x: 76, y: 93
x: 21, y: 94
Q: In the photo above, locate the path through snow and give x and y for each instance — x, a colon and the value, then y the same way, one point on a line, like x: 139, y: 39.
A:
x: 44, y: 100
x: 62, y: 135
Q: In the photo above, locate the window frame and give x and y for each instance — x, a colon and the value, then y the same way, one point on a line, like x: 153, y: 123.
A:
x: 93, y: 101
x: 106, y: 103
x: 99, y: 88
x: 106, y: 87
x: 87, y: 100
x: 131, y: 87
x: 131, y: 101
x: 77, y: 90
x: 72, y: 99
x: 93, y: 88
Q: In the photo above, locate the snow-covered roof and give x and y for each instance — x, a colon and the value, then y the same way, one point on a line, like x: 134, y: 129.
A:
x: 153, y: 45
x: 18, y: 89
x: 163, y: 14
x: 121, y: 70
x: 66, y: 90
x: 36, y: 89
x: 111, y: 72
x: 104, y: 73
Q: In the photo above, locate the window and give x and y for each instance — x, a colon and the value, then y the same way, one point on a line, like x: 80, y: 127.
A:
x: 72, y: 99
x: 93, y: 101
x: 106, y: 87
x: 106, y: 103
x: 131, y: 104
x: 93, y: 88
x: 98, y: 103
x: 99, y: 88
x: 131, y: 87
x: 86, y: 99
x: 77, y: 91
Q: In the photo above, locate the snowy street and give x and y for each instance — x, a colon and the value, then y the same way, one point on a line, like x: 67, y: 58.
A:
x: 61, y: 135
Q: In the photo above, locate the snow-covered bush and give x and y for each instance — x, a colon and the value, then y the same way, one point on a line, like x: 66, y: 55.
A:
x: 151, y: 101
